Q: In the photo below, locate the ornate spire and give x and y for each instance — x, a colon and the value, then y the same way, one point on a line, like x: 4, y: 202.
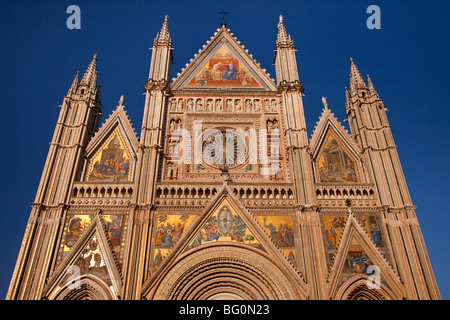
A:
x: 74, y: 83
x: 356, y: 81
x: 347, y: 96
x: 163, y: 38
x: 283, y: 39
x: 90, y: 76
x: 371, y: 87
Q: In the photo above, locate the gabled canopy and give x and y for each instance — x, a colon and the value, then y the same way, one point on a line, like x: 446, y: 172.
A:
x: 336, y: 155
x: 223, y: 63
x: 115, y: 140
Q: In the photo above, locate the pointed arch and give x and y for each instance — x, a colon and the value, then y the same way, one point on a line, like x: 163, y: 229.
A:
x: 89, y: 288
x: 356, y: 289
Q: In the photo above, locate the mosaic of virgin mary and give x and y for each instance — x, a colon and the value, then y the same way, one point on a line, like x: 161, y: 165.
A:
x: 223, y: 69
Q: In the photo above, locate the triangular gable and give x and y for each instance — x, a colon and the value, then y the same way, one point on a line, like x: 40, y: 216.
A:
x: 77, y: 222
x: 92, y: 256
x: 225, y: 224
x: 223, y: 64
x: 112, y: 151
x: 337, y: 157
x: 355, y: 253
x: 213, y: 225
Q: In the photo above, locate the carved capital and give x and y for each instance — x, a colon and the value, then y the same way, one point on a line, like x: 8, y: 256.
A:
x: 157, y: 85
x: 290, y: 86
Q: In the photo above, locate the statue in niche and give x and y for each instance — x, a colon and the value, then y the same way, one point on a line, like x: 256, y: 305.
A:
x: 199, y: 105
x: 238, y: 105
x: 229, y: 105
x: 209, y: 105
x: 266, y: 105
x: 190, y: 105
x: 248, y: 105
x: 172, y: 125
x: 173, y: 104
x: 219, y: 105
x: 180, y: 105
x: 257, y: 105
x: 172, y: 171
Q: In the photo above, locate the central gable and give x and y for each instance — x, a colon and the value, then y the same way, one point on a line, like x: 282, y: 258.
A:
x: 223, y: 64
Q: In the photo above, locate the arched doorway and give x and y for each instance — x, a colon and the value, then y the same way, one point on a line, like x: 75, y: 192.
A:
x: 225, y: 271
x: 89, y: 288
x: 356, y: 289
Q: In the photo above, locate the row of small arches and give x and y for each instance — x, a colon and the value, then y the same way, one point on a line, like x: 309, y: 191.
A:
x: 331, y: 193
x: 102, y: 192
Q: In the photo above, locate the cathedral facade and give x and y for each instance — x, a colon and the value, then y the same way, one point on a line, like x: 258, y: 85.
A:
x: 223, y: 195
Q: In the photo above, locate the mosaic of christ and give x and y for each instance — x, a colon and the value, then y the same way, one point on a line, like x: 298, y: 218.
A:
x: 223, y: 69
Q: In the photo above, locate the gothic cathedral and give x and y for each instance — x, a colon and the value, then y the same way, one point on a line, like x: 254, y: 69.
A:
x: 223, y: 195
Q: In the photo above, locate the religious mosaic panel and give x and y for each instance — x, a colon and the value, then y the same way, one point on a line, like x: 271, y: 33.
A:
x: 78, y: 221
x: 334, y: 164
x: 112, y: 162
x: 358, y: 262
x: 169, y: 230
x: 333, y: 225
x: 90, y: 261
x: 225, y: 225
x: 223, y: 68
x: 281, y: 231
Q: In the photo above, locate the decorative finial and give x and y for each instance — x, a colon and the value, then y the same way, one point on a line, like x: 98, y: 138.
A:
x: 325, y: 103
x: 166, y: 17
x: 121, y: 101
x: 281, y: 18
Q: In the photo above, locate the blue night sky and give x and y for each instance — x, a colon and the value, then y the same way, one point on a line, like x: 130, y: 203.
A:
x: 408, y: 61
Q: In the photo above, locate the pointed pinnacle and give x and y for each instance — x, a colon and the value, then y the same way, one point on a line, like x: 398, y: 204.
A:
x: 74, y: 82
x: 163, y: 37
x: 370, y: 85
x: 356, y: 80
x: 282, y: 34
x: 90, y: 76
